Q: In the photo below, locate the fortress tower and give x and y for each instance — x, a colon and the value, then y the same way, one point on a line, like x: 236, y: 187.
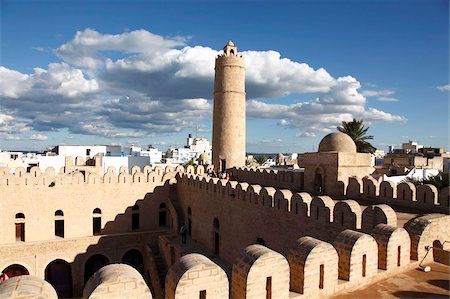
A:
x: 228, y: 141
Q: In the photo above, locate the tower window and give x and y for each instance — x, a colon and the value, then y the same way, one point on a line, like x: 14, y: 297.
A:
x: 96, y: 221
x: 20, y: 227
x: 135, y: 217
x: 59, y: 224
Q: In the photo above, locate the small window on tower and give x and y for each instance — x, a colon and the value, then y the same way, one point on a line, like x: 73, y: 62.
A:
x: 231, y: 52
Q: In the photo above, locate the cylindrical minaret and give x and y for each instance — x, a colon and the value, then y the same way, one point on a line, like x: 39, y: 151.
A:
x: 228, y: 141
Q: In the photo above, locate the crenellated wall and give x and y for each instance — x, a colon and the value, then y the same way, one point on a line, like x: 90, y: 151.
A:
x: 33, y: 198
x: 423, y: 197
x: 250, y: 212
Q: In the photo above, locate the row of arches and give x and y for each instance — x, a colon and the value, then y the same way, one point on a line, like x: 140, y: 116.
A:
x: 59, y: 272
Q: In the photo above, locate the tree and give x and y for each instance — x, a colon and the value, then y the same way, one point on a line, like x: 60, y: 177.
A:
x: 440, y: 181
x: 357, y: 131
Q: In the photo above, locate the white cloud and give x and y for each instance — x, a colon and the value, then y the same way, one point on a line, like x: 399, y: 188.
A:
x: 443, y: 87
x: 39, y: 49
x: 377, y: 93
x: 38, y: 137
x: 387, y: 99
x: 138, y: 84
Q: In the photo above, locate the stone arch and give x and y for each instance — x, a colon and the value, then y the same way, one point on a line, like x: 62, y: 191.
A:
x: 347, y: 213
x: 354, y: 187
x: 116, y: 281
x: 50, y: 171
x: 32, y: 286
x: 388, y: 190
x: 15, y: 270
x: 230, y: 188
x: 371, y: 187
x: 424, y: 230
x: 193, y: 274
x: 123, y: 169
x: 200, y: 170
x: 314, y: 266
x: 111, y: 169
x: 301, y: 203
x: 179, y: 169
x: 406, y: 192
x: 139, y: 177
x: 282, y: 200
x: 393, y: 246
x: 135, y: 259
x: 266, y: 196
x: 146, y: 170
x: 135, y: 169
x: 259, y: 272
x: 322, y: 209
x: 35, y: 171
x: 190, y: 169
x: 93, y: 264
x: 241, y: 191
x: 158, y: 170
x: 427, y: 196
x: 110, y: 178
x: 59, y: 274
x: 375, y: 214
x: 358, y: 255
x: 253, y: 193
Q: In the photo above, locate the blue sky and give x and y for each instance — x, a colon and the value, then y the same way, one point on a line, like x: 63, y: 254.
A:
x: 90, y: 72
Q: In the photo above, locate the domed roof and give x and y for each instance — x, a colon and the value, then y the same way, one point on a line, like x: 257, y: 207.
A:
x: 230, y: 43
x: 337, y: 142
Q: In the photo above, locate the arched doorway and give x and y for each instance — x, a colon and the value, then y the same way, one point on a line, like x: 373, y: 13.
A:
x: 216, y: 230
x: 318, y: 181
x: 15, y: 270
x: 134, y: 258
x: 162, y: 215
x: 58, y: 273
x: 93, y: 264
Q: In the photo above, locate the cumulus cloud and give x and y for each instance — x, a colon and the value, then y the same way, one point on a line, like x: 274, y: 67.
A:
x: 443, y: 87
x: 138, y: 83
x: 38, y: 137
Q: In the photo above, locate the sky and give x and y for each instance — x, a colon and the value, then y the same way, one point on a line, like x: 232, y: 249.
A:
x: 142, y: 72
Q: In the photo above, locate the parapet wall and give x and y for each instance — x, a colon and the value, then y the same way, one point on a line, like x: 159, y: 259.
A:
x: 293, y: 180
x: 423, y: 197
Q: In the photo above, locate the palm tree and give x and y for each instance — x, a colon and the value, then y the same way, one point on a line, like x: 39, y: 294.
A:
x: 357, y: 131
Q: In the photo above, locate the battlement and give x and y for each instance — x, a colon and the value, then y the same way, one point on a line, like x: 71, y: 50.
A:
x: 51, y: 178
x: 323, y: 209
x: 367, y: 190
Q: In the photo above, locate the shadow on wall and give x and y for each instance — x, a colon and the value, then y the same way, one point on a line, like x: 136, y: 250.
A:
x: 128, y: 239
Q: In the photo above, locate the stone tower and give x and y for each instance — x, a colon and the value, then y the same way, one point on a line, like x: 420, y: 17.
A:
x: 228, y: 141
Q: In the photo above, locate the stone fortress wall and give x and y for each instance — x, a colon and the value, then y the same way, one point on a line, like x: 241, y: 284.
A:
x: 367, y: 189
x: 297, y: 228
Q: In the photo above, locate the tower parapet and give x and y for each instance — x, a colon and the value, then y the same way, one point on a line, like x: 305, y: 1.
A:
x: 229, y: 110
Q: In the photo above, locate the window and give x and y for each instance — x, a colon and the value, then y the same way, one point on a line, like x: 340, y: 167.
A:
x: 364, y: 261
x: 269, y: 287
x: 216, y: 236
x: 96, y: 221
x: 321, y: 276
x: 202, y: 294
x: 88, y: 152
x: 20, y: 227
x: 135, y: 217
x: 59, y: 224
x: 162, y: 214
